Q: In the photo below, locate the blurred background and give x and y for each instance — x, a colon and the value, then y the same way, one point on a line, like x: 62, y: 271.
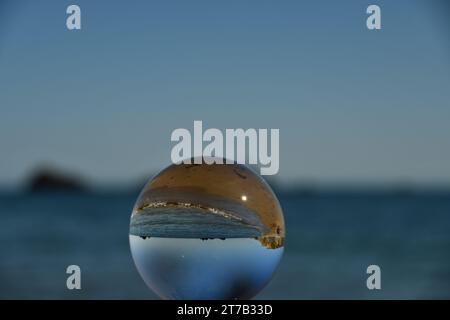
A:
x: 86, y: 118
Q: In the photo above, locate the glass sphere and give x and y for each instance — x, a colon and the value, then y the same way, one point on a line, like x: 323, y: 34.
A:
x: 207, y: 231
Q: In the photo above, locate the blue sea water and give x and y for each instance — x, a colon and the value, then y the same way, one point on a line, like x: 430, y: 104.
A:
x: 331, y: 239
x: 191, y: 223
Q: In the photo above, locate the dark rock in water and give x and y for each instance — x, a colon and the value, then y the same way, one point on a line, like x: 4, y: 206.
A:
x: 48, y: 180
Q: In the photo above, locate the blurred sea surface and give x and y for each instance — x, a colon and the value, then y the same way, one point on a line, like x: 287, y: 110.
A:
x: 332, y: 237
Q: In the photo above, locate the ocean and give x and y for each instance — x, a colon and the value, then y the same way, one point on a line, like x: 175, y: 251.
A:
x: 331, y: 239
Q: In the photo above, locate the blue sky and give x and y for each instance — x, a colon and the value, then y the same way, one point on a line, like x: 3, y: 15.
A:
x: 352, y: 105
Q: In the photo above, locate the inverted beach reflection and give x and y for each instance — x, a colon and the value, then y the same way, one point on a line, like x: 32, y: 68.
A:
x: 200, y: 231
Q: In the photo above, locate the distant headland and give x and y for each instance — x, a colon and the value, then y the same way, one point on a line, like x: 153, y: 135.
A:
x: 51, y: 180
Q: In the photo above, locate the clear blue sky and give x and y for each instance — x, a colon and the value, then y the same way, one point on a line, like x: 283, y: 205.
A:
x: 352, y: 105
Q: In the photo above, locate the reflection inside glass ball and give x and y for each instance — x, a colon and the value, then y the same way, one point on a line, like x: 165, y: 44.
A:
x: 206, y: 231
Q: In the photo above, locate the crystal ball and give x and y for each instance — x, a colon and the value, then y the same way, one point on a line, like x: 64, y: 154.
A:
x: 207, y: 231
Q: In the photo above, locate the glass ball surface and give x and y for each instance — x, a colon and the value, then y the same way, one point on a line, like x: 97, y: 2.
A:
x: 207, y: 231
